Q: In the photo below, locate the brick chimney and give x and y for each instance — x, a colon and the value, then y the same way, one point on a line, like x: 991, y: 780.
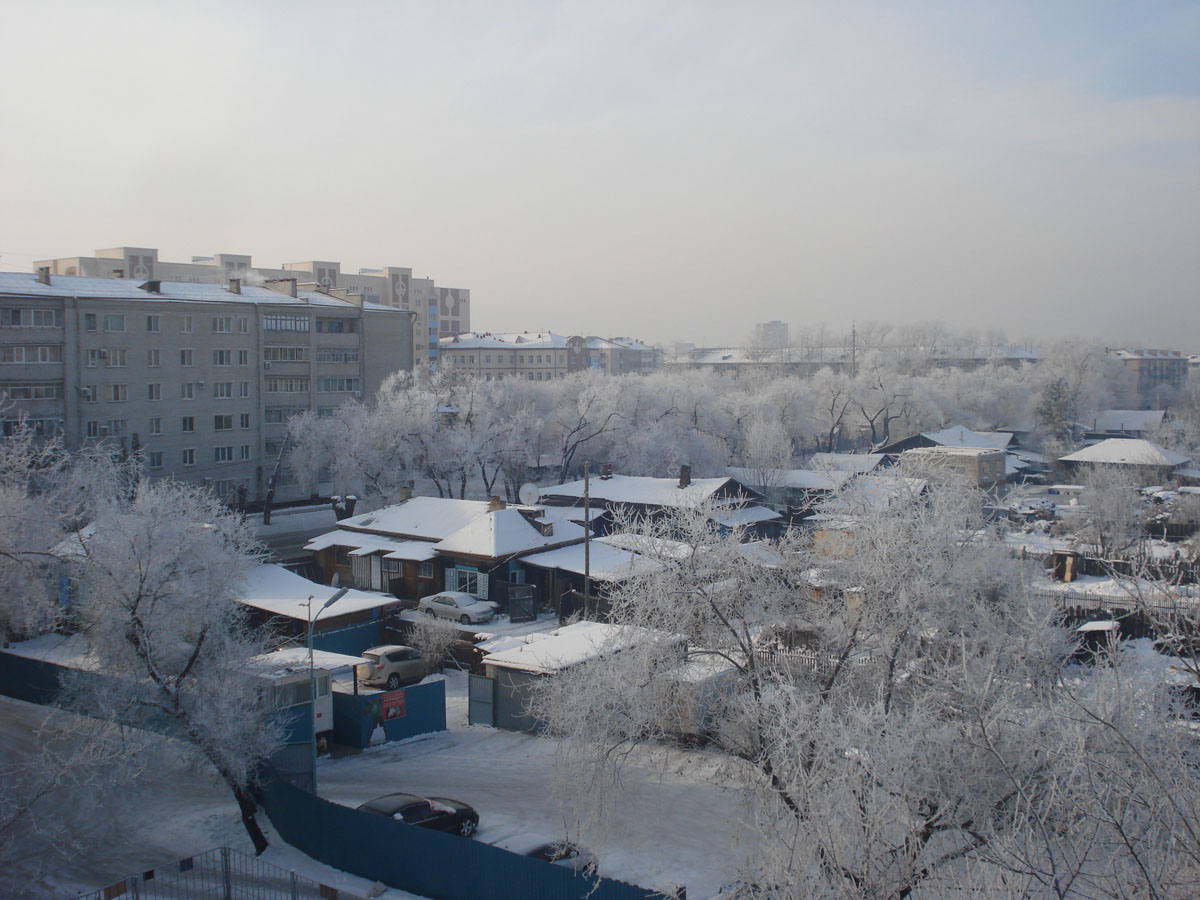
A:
x: 685, y: 475
x: 235, y: 285
x: 495, y: 503
x: 43, y: 274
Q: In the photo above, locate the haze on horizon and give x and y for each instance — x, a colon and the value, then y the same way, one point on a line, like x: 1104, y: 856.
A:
x: 665, y: 170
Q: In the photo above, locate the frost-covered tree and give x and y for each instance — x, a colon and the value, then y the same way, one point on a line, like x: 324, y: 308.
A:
x: 159, y: 576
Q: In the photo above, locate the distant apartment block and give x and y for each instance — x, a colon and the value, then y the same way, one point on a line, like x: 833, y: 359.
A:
x: 200, y: 378
x: 771, y: 334
x: 440, y: 311
x: 544, y: 355
x: 1159, y: 373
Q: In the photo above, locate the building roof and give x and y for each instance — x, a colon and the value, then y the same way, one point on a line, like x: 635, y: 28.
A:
x: 505, y: 532
x: 276, y: 590
x: 1128, y: 452
x: 571, y: 645
x: 517, y: 340
x: 845, y: 462
x: 366, y: 544
x: 795, y: 479
x: 21, y: 284
x: 607, y: 562
x: 958, y: 436
x: 645, y: 490
x: 425, y: 518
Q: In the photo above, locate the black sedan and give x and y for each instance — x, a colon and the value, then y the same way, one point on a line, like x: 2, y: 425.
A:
x: 439, y: 813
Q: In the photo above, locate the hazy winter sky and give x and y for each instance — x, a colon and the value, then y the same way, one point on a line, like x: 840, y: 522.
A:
x: 667, y: 170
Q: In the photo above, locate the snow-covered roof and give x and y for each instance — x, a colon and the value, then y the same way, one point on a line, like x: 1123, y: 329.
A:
x: 295, y: 659
x: 641, y: 489
x: 365, y: 544
x: 607, y: 562
x: 571, y: 645
x: 505, y: 532
x: 1127, y: 451
x: 65, y: 286
x: 523, y: 340
x: 745, y: 515
x: 428, y: 518
x: 794, y: 479
x: 958, y: 436
x: 276, y: 590
x: 845, y: 462
x: 1127, y: 420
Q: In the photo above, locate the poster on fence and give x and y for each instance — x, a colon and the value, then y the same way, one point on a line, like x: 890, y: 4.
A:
x: 393, y: 705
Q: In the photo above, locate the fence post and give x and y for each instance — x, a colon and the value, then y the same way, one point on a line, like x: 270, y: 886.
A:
x: 226, y: 874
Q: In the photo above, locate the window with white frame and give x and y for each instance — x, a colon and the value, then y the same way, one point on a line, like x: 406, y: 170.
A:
x: 187, y: 390
x: 223, y: 423
x: 155, y: 425
x: 187, y: 424
x: 28, y: 353
x: 154, y: 358
x: 155, y: 459
x: 185, y: 324
x: 152, y: 324
x: 185, y: 356
x: 189, y: 456
x: 154, y: 390
x: 116, y: 393
x: 222, y: 324
x: 116, y: 359
x: 244, y: 420
x: 222, y: 390
x: 31, y: 390
x: 222, y: 357
x: 223, y: 454
x: 114, y: 323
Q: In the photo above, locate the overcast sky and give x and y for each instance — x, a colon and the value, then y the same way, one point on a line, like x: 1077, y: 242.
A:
x: 665, y: 170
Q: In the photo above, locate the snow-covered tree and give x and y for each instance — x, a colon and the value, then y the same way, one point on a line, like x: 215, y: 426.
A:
x: 159, y: 576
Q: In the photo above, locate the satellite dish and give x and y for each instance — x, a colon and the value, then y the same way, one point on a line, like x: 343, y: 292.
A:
x: 529, y: 493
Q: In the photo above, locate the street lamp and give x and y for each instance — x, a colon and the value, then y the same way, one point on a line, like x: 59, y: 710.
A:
x: 312, y: 678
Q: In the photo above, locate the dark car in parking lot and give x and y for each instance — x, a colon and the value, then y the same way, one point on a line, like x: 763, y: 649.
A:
x: 439, y: 813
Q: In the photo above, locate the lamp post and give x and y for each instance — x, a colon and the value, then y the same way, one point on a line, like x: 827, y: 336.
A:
x: 312, y: 678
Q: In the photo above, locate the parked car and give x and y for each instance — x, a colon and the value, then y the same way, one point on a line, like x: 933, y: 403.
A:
x: 438, y: 813
x: 457, y: 605
x: 559, y: 852
x: 391, y: 666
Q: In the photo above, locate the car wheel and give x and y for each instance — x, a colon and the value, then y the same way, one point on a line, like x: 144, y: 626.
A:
x: 393, y: 681
x: 464, y: 619
x: 467, y: 827
x: 429, y: 612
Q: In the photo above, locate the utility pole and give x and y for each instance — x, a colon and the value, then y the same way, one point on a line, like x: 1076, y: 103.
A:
x: 853, y: 350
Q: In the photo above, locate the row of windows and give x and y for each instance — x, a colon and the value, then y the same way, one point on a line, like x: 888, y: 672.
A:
x: 286, y: 384
x: 30, y: 390
x: 285, y: 354
x: 530, y: 376
x: 118, y: 393
x: 285, y: 322
x: 31, y: 318
x: 277, y: 415
x: 188, y: 457
x: 534, y: 359
x: 115, y: 322
x: 39, y: 427
x: 337, y: 326
x: 338, y: 385
x: 31, y: 353
x: 337, y: 355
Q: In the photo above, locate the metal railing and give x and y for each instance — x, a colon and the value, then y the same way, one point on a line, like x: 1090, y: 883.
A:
x: 220, y: 874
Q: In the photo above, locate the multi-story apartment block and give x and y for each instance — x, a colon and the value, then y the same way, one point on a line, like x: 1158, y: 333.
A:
x: 200, y: 378
x: 440, y: 311
x: 530, y: 355
x: 616, y: 356
x: 1160, y: 373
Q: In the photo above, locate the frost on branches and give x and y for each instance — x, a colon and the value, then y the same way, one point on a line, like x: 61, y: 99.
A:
x: 894, y: 709
x: 159, y: 577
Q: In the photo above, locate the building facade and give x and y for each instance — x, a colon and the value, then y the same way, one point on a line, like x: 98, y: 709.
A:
x: 1160, y: 374
x: 440, y: 311
x: 201, y: 379
x: 528, y: 355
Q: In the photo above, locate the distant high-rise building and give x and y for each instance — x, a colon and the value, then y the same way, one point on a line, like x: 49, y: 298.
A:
x: 772, y: 334
x: 441, y: 311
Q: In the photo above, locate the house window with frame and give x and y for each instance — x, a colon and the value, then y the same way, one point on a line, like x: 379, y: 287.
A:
x: 185, y: 357
x: 189, y: 456
x: 152, y: 324
x: 243, y: 357
x: 243, y: 324
x: 187, y: 424
x: 222, y: 324
x: 425, y: 570
x: 90, y: 392
x: 244, y: 452
x: 154, y: 358
x: 185, y: 324
x: 93, y: 428
x: 222, y: 357
x: 155, y: 459
x: 89, y: 321
x: 155, y: 425
x: 187, y: 390
x: 244, y: 420
x: 222, y: 390
x: 222, y: 454
x: 243, y: 389
x: 154, y: 390
x: 93, y: 359
x: 116, y: 393
x: 116, y: 359
x: 223, y: 423
x: 114, y: 323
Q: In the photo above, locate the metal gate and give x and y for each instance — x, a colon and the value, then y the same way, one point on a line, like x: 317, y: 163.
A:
x: 481, y: 700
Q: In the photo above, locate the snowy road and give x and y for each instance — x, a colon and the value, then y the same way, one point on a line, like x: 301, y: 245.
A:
x: 677, y: 823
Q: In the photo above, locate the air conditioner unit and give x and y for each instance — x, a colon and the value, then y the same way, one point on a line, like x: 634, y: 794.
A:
x: 266, y: 364
x: 200, y: 384
x: 103, y: 354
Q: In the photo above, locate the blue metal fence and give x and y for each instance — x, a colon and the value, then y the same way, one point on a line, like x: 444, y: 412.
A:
x: 425, y: 862
x: 418, y: 709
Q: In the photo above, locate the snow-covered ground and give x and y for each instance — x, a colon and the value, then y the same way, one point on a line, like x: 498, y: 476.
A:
x: 679, y: 824
x: 679, y: 819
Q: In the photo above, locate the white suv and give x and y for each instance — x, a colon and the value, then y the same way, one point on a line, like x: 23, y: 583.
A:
x: 391, y: 666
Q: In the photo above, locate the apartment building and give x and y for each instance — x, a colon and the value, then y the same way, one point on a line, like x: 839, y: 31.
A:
x: 616, y: 356
x: 440, y: 311
x: 1160, y: 374
x: 529, y: 355
x: 200, y: 378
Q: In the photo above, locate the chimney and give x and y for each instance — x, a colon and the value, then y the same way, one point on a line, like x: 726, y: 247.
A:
x: 495, y: 503
x: 685, y: 475
x: 343, y: 507
x: 235, y: 285
x: 43, y: 274
x: 606, y: 472
x: 153, y: 286
x: 282, y: 286
x: 118, y: 273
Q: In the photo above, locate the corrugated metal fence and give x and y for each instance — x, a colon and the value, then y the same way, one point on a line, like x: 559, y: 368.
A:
x: 425, y: 862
